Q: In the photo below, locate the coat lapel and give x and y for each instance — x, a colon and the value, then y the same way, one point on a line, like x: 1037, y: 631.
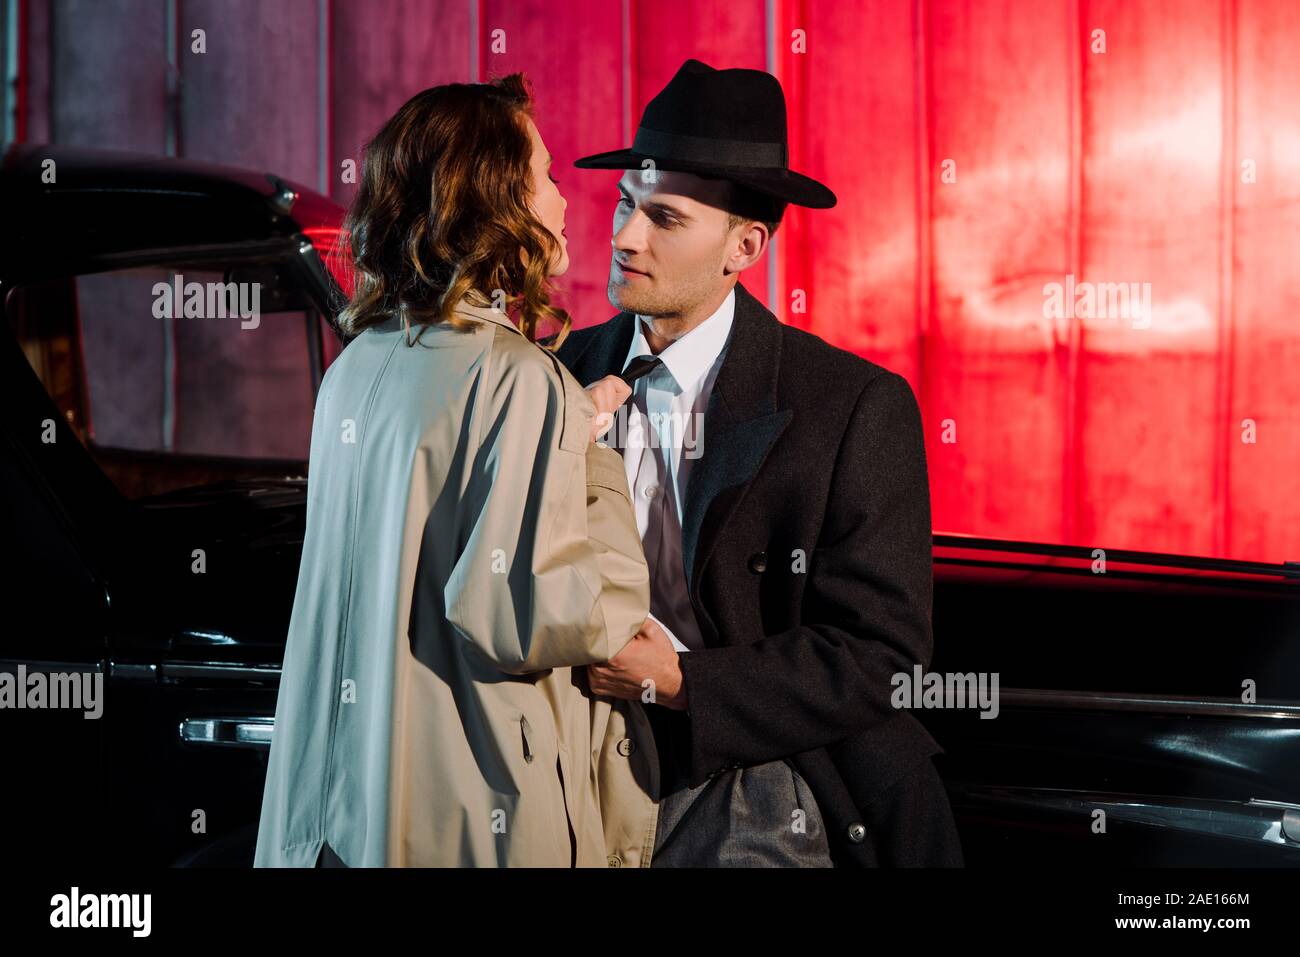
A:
x: 604, y: 353
x: 741, y: 424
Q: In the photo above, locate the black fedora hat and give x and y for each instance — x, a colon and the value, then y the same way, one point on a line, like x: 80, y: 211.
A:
x: 725, y: 124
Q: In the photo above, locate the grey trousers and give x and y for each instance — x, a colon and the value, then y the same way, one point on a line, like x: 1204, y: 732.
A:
x: 760, y: 816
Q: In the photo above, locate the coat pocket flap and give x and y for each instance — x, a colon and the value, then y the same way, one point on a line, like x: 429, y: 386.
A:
x: 579, y: 410
x: 873, y: 761
x: 605, y: 469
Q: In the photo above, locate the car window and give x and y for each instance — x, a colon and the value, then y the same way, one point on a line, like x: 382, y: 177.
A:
x: 196, y: 384
x: 174, y: 362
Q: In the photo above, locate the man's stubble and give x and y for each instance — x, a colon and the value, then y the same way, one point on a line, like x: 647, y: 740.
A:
x: 669, y: 302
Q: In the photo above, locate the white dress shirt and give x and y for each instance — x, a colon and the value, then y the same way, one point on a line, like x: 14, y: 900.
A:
x: 676, y: 395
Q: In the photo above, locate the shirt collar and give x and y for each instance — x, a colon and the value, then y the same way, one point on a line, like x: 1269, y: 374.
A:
x: 687, y: 359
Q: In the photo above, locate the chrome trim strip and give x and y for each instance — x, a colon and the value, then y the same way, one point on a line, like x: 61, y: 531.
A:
x: 1270, y: 822
x: 211, y: 637
x: 132, y: 671
x: 1285, y: 570
x: 247, y: 732
x: 219, y: 670
x: 8, y: 664
x: 1152, y: 704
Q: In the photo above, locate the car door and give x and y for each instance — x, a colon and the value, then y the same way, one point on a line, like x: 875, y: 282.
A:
x: 54, y: 508
x: 1148, y: 707
x: 196, y: 429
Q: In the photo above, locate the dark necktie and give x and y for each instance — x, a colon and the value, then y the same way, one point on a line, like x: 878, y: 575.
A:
x: 639, y: 367
x: 668, y: 600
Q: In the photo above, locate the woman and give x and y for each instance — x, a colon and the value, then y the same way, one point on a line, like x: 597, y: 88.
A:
x: 467, y: 544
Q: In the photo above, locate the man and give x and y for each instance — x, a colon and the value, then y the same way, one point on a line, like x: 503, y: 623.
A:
x: 781, y: 493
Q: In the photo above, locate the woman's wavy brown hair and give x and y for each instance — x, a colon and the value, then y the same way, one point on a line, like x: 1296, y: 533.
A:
x: 442, y: 213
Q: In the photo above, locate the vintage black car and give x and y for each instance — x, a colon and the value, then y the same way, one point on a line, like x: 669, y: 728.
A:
x: 1148, y: 706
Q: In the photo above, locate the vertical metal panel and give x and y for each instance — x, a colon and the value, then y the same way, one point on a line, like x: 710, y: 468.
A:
x: 996, y: 173
x: 383, y: 53
x: 772, y: 63
x: 854, y: 128
x: 722, y: 35
x: 171, y: 146
x: 8, y: 71
x: 109, y: 67
x: 172, y: 89
x: 1263, y: 483
x: 922, y: 383
x: 249, y: 100
x: 475, y: 39
x: 323, y: 93
x: 630, y: 100
x: 1224, y: 352
x: 1068, y: 335
x: 1147, y: 411
x: 572, y: 54
x: 793, y: 266
x: 35, y: 50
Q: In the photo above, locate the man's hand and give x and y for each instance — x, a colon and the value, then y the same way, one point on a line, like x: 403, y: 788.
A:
x: 650, y: 654
x: 607, y: 395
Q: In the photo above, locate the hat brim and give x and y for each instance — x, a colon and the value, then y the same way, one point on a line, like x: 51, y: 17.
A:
x: 782, y: 183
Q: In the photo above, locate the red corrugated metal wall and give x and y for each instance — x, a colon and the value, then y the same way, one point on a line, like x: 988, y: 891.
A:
x: 984, y: 152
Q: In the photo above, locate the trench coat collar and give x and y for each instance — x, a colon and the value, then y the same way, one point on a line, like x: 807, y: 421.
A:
x: 487, y: 314
x: 741, y: 424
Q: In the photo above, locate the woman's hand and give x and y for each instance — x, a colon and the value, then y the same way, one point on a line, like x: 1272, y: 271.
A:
x: 607, y: 395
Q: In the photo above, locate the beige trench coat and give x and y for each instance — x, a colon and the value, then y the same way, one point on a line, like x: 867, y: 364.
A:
x: 433, y: 708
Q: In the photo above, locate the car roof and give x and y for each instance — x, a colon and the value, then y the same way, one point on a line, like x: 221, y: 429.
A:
x: 104, y: 202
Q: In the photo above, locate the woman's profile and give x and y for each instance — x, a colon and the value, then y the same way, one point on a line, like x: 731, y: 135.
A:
x: 468, y: 542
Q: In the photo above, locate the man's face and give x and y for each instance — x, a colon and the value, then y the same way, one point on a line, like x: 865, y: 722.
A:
x: 671, y: 233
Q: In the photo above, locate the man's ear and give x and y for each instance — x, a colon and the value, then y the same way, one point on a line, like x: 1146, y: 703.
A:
x: 749, y: 247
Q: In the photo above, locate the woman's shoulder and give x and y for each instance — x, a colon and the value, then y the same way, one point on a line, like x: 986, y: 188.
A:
x: 525, y: 368
x: 514, y: 350
x: 515, y: 356
x: 530, y: 373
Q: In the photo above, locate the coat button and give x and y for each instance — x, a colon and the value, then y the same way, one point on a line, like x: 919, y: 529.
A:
x: 857, y: 833
x: 626, y: 747
x: 758, y: 562
x: 614, y: 861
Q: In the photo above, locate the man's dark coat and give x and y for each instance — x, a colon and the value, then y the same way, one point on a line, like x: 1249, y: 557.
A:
x: 807, y: 542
